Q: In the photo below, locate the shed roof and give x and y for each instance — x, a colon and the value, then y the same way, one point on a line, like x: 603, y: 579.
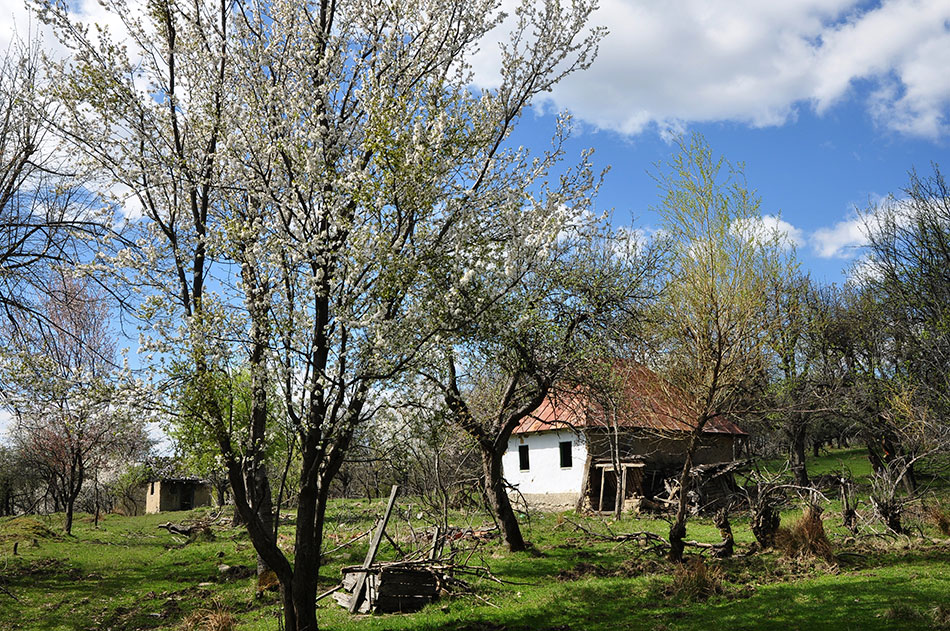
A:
x: 646, y: 404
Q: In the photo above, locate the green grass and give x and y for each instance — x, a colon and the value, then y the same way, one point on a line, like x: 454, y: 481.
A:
x: 851, y: 460
x: 129, y: 574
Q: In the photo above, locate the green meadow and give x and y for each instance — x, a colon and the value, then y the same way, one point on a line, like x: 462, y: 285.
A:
x: 128, y: 573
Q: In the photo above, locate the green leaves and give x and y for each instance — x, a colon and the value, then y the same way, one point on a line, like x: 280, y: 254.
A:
x: 723, y: 261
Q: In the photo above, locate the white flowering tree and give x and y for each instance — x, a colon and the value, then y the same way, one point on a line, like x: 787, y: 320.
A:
x: 74, y: 413
x: 45, y: 216
x: 334, y: 162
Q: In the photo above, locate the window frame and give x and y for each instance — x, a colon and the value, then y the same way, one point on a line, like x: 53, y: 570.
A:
x: 566, y: 448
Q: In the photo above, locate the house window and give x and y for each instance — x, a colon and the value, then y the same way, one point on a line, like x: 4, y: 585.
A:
x: 152, y: 490
x: 566, y: 454
x: 523, y: 457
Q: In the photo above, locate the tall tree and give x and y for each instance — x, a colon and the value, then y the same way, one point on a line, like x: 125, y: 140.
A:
x: 908, y: 271
x: 45, y: 216
x: 724, y: 261
x: 804, y: 379
x: 336, y: 157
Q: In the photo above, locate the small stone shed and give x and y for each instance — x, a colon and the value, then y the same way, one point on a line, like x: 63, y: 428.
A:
x: 565, y: 454
x: 173, y: 494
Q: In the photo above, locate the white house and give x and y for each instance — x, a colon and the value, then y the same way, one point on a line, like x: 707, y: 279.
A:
x: 566, y: 453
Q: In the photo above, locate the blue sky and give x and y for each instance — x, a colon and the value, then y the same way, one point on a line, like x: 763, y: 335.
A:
x: 813, y: 172
x: 828, y: 103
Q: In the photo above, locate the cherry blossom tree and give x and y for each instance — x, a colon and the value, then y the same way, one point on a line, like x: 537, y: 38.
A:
x: 553, y: 331
x: 45, y: 215
x: 313, y: 179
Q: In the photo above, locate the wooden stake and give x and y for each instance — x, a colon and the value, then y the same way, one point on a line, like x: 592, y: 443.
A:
x: 600, y: 502
x: 371, y: 553
x: 434, y: 552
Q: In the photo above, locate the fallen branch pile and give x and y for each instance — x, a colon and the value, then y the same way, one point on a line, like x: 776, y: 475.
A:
x: 418, y: 578
x: 194, y: 527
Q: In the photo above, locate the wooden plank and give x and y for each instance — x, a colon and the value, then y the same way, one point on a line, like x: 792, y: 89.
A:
x: 402, y: 589
x: 406, y: 574
x: 622, y: 483
x: 328, y: 592
x: 600, y: 502
x: 371, y: 553
x: 349, y: 581
x: 406, y: 581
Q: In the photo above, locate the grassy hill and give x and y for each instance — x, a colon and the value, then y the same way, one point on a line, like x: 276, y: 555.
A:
x: 130, y: 574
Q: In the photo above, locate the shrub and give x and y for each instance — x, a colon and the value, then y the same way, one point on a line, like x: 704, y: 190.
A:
x: 941, y: 616
x: 901, y: 612
x: 939, y: 518
x: 695, y: 581
x: 806, y: 537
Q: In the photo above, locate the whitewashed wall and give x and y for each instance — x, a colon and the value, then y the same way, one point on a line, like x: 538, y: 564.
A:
x: 545, y: 474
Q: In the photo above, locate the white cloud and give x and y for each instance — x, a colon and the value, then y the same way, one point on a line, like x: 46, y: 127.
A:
x: 842, y: 240
x: 17, y: 22
x: 6, y: 424
x: 680, y: 61
x: 773, y: 224
x: 769, y: 227
x: 668, y: 64
x: 862, y: 271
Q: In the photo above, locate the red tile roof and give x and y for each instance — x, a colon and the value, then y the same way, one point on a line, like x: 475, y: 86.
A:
x: 646, y: 404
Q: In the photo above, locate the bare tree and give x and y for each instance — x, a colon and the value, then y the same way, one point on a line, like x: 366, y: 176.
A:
x: 921, y: 434
x: 46, y: 217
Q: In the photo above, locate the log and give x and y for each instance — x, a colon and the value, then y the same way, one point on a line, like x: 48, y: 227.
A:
x: 178, y: 529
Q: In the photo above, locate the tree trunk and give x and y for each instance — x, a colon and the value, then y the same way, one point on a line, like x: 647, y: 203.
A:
x: 264, y: 507
x: 849, y: 516
x: 765, y: 523
x: 797, y: 454
x: 877, y: 464
x: 74, y: 485
x: 300, y: 607
x: 498, y: 498
x: 726, y: 548
x: 678, y: 528
x: 69, y: 517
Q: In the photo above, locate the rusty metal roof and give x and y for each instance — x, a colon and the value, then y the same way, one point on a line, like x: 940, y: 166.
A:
x: 646, y: 404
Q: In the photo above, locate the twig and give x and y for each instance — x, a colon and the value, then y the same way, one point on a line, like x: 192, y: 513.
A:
x: 394, y: 544
x: 485, y: 600
x: 328, y: 592
x: 8, y: 593
x: 348, y: 543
